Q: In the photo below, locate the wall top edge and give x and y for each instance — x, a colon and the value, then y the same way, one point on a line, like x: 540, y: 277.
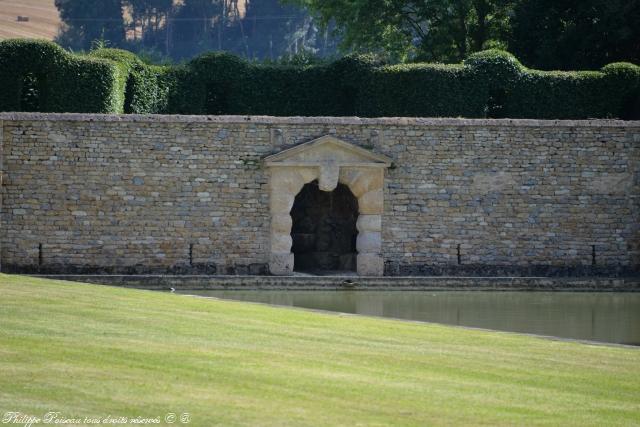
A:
x: 299, y: 120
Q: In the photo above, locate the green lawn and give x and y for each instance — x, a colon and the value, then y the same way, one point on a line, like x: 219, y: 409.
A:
x: 92, y: 351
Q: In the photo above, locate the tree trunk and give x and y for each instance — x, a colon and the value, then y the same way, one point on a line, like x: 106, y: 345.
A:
x: 479, y: 36
x: 461, y: 39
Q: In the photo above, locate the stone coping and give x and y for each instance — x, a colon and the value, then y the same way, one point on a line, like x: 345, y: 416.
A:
x: 357, y: 283
x: 298, y: 120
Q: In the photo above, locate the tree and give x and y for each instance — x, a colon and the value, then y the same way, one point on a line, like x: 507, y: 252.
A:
x: 86, y: 21
x: 159, y: 29
x: 568, y: 34
x: 203, y: 25
x: 150, y: 22
x: 274, y: 30
x: 436, y: 30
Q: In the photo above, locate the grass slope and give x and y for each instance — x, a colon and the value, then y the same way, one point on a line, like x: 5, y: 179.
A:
x: 87, y: 350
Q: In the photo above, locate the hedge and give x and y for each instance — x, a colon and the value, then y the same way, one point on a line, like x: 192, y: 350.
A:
x: 147, y: 86
x: 444, y: 90
x: 40, y: 75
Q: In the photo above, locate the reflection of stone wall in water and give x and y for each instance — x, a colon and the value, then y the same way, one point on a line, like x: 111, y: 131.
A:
x: 324, y: 229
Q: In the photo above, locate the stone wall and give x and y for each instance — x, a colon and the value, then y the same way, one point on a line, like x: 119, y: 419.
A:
x: 132, y: 194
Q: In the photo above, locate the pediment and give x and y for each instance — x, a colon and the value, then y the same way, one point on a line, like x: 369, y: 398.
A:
x: 327, y: 149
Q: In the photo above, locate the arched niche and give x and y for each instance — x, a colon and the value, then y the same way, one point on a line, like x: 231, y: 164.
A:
x: 329, y: 161
x: 324, y: 230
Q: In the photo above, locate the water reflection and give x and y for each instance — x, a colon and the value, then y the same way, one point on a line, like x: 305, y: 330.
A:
x: 608, y: 317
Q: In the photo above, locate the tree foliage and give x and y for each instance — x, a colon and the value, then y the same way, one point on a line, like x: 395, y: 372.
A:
x: 568, y: 34
x: 441, y: 30
x: 545, y: 34
x: 160, y: 29
x: 86, y: 21
x: 274, y: 30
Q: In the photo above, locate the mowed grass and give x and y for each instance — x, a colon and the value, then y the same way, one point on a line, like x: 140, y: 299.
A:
x: 89, y: 350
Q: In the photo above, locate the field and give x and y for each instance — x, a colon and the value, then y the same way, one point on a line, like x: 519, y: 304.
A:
x: 97, y: 351
x: 43, y: 19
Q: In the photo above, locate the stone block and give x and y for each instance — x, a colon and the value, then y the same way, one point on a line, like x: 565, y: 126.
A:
x: 369, y: 223
x: 368, y: 180
x: 281, y: 223
x: 281, y: 264
x: 286, y: 180
x: 371, y: 203
x: 281, y: 203
x: 328, y: 179
x: 280, y: 242
x: 369, y: 242
x: 370, y: 265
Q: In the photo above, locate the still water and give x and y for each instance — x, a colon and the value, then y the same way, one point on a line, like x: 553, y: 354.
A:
x: 598, y: 316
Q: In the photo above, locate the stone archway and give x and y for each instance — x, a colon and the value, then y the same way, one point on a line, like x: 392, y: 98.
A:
x: 329, y: 161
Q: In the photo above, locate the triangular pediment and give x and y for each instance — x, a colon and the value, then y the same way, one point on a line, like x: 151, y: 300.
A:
x: 327, y: 149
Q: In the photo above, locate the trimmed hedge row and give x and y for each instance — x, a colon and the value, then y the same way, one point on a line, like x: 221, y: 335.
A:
x: 426, y: 90
x: 147, y: 86
x: 526, y: 93
x: 489, y: 84
x: 219, y: 83
x: 40, y: 75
